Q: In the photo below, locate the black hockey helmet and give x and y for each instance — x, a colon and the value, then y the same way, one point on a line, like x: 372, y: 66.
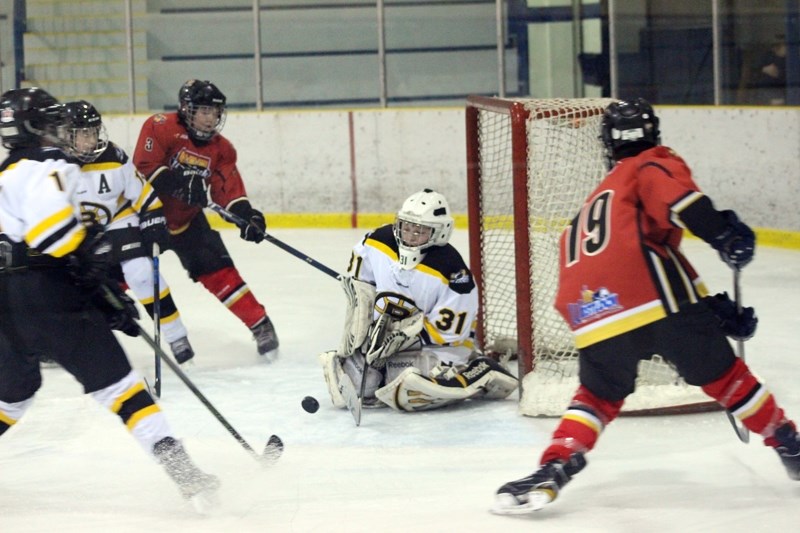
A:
x: 629, y: 127
x: 28, y: 117
x: 84, y: 132
x: 196, y: 94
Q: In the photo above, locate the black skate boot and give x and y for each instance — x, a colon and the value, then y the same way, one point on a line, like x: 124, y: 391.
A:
x: 195, y: 485
x: 540, y: 488
x: 181, y: 350
x: 266, y: 338
x: 789, y: 450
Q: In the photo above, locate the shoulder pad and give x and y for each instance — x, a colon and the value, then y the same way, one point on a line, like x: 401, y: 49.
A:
x: 448, y: 262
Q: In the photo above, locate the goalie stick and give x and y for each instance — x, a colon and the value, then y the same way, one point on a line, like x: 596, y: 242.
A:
x: 741, y: 431
x: 239, y: 221
x: 274, y: 446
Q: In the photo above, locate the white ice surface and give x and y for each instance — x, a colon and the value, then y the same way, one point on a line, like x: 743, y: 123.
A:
x: 69, y: 466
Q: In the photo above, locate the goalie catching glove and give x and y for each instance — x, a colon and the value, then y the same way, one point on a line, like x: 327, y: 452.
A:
x: 399, y: 335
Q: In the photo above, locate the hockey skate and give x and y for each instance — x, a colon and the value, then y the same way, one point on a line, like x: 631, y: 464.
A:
x: 537, y: 490
x: 266, y: 339
x: 789, y: 450
x: 181, y: 350
x: 196, y: 486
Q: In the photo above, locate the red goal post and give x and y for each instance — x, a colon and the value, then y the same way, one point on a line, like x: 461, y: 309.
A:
x: 530, y: 165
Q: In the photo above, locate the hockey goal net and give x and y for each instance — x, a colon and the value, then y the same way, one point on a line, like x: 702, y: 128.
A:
x: 531, y: 164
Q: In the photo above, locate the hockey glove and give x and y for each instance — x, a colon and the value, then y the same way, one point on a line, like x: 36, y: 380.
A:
x: 91, y: 261
x: 738, y: 326
x: 192, y: 187
x: 255, y: 228
x: 153, y: 227
x: 118, y: 308
x: 400, y: 336
x: 736, y: 245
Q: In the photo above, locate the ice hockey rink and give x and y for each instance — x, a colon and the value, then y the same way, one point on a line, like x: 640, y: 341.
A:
x: 69, y: 466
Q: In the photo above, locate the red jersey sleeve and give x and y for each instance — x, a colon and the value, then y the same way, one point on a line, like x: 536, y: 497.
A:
x: 151, y: 152
x: 226, y: 183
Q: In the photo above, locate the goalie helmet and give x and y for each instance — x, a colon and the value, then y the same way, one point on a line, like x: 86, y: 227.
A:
x: 28, y: 117
x: 423, y: 221
x: 83, y: 132
x: 201, y: 108
x: 629, y: 127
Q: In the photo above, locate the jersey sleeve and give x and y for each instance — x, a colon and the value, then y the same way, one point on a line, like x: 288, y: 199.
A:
x: 226, y: 184
x: 360, y: 265
x: 51, y: 224
x: 150, y: 153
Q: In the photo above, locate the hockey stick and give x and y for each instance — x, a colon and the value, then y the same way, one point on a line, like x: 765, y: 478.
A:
x: 239, y: 221
x: 375, y: 339
x: 742, y: 432
x: 274, y: 446
x: 157, y: 316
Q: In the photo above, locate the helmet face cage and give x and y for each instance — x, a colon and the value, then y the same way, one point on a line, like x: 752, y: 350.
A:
x: 627, y: 122
x: 423, y: 221
x: 28, y: 117
x: 201, y: 108
x: 83, y: 131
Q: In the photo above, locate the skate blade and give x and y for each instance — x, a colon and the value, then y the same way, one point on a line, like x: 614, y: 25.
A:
x: 270, y: 356
x: 506, y: 504
x: 204, y: 503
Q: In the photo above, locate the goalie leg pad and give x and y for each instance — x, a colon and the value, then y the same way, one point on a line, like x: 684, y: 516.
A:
x: 332, y: 370
x: 483, y: 378
x: 353, y: 366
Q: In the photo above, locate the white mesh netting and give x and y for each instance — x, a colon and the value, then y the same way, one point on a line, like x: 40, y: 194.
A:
x: 565, y: 161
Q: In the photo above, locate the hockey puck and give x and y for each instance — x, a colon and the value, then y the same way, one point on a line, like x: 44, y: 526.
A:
x: 310, y: 404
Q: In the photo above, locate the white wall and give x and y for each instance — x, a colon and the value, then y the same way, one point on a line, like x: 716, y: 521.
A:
x: 746, y: 159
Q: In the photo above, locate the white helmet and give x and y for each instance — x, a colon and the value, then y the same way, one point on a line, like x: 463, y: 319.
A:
x: 422, y: 222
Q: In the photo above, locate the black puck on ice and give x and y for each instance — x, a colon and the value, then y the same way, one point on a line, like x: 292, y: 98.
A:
x: 310, y: 404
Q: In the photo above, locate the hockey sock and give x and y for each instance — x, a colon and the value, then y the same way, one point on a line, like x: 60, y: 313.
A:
x: 747, y: 399
x: 229, y: 288
x: 580, y: 425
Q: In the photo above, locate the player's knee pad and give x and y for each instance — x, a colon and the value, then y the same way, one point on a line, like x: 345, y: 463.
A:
x: 482, y: 378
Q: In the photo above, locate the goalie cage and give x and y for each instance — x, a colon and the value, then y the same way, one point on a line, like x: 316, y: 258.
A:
x: 531, y: 164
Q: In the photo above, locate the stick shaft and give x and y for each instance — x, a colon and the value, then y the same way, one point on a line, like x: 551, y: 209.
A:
x: 239, y: 221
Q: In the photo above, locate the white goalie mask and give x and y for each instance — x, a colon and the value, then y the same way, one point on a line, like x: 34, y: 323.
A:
x: 423, y: 221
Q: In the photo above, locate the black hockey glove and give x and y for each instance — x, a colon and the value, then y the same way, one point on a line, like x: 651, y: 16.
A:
x: 118, y: 308
x: 153, y: 227
x: 736, y: 245
x: 738, y: 326
x: 256, y: 227
x: 193, y: 189
x: 90, y: 263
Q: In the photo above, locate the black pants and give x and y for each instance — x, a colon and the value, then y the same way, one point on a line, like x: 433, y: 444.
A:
x: 200, y: 248
x: 691, y: 340
x: 43, y: 314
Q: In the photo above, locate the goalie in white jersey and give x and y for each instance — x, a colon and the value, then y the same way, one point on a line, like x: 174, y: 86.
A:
x: 116, y: 196
x: 426, y: 356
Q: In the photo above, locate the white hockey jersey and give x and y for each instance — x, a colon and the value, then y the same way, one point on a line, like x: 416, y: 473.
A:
x: 112, y: 192
x: 441, y: 286
x: 37, y: 201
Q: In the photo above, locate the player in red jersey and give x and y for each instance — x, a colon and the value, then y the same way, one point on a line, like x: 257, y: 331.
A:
x: 627, y: 292
x: 187, y: 161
